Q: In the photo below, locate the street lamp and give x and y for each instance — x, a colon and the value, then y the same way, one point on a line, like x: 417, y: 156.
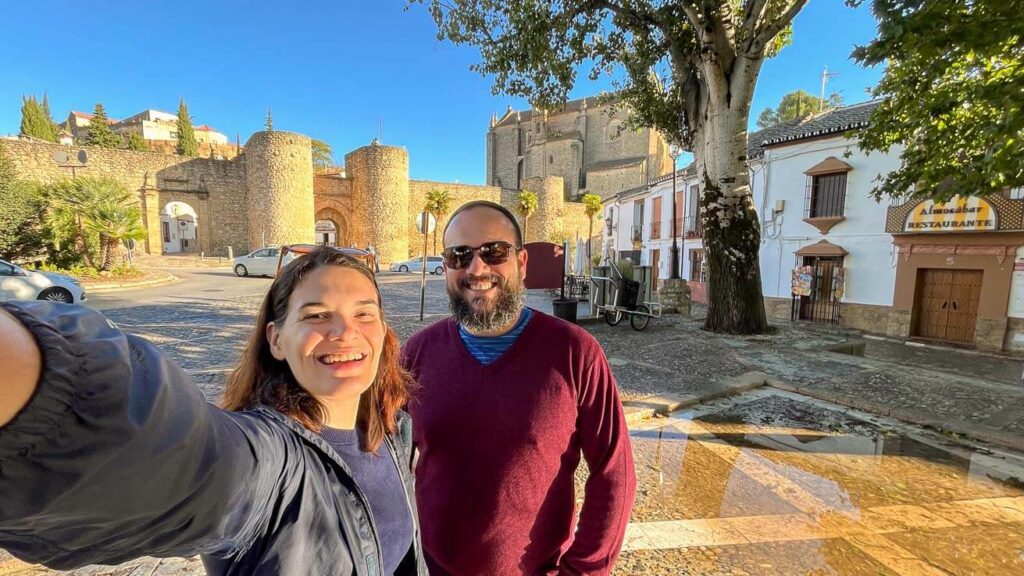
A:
x: 674, y: 151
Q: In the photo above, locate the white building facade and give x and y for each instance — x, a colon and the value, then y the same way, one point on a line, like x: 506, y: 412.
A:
x: 948, y: 272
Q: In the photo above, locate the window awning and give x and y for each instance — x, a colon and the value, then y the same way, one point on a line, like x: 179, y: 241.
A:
x: 829, y: 165
x: 822, y: 248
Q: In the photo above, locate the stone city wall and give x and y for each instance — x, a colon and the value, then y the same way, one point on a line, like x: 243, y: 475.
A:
x: 191, y: 180
x: 460, y: 194
x: 280, y: 182
x: 607, y: 183
x: 380, y: 200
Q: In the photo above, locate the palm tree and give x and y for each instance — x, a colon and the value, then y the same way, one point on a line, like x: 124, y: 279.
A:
x: 591, y: 207
x: 115, y: 223
x: 100, y: 207
x: 65, y: 201
x: 526, y: 205
x: 439, y: 202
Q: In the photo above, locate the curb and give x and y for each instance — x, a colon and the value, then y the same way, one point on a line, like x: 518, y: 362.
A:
x: 974, y: 431
x: 115, y: 286
x: 663, y: 404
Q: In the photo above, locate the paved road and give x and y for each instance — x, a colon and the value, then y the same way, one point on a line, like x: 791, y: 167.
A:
x: 214, y: 284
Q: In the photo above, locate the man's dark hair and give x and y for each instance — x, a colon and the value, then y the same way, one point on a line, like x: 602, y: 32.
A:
x: 486, y: 204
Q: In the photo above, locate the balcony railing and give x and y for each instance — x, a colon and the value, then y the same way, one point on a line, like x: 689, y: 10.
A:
x: 636, y: 234
x: 692, y: 227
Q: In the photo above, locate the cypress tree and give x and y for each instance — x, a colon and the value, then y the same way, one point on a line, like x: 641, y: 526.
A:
x: 137, y: 142
x: 187, y: 145
x: 100, y: 133
x: 270, y: 121
x: 34, y: 122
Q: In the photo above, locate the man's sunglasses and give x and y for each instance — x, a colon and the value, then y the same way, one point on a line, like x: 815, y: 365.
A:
x: 492, y: 253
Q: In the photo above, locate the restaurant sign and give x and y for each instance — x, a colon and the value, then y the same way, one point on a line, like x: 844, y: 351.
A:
x: 960, y: 214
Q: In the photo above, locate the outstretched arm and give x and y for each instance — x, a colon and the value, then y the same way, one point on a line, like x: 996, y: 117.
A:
x: 109, y: 452
x: 22, y: 364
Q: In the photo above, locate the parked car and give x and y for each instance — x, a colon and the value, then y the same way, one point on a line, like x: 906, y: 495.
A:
x: 262, y: 262
x: 17, y: 283
x: 434, y: 265
x: 267, y: 261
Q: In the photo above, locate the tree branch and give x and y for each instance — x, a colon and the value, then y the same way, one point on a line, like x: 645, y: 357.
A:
x: 752, y: 14
x: 768, y: 31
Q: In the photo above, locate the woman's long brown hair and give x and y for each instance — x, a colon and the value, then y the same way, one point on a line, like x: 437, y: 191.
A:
x: 262, y: 380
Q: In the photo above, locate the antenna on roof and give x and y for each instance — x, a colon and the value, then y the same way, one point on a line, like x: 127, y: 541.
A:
x: 825, y: 77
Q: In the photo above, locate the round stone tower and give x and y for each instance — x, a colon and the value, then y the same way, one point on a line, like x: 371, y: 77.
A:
x: 279, y: 179
x: 380, y: 199
x: 550, y: 194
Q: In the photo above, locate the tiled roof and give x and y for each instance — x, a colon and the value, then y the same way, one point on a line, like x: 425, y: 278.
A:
x: 685, y: 172
x: 205, y: 128
x: 834, y: 121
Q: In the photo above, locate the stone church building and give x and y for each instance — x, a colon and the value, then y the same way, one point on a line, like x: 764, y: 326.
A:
x: 584, y: 143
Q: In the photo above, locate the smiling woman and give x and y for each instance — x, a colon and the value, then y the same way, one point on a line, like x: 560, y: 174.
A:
x: 311, y: 453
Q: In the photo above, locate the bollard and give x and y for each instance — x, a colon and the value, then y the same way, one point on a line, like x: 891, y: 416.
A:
x: 202, y: 256
x: 231, y: 253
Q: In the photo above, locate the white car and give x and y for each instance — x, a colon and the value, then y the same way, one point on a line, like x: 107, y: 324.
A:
x: 17, y: 283
x: 435, y: 265
x: 262, y: 262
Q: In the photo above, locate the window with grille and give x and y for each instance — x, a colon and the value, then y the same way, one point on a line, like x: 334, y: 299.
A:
x: 827, y: 195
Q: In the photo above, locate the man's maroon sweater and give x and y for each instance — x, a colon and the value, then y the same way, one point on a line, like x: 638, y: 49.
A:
x: 499, y: 445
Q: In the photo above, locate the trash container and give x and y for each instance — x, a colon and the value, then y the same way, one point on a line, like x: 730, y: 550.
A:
x: 565, y: 309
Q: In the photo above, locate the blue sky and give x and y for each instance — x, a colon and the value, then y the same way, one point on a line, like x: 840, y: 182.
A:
x: 334, y: 70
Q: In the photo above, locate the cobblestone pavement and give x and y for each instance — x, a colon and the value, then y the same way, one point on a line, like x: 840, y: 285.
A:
x: 675, y: 357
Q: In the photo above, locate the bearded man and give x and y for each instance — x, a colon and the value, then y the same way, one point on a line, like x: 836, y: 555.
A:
x: 509, y: 400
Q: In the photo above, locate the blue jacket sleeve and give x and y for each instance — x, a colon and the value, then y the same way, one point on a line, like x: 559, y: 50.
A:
x: 117, y: 455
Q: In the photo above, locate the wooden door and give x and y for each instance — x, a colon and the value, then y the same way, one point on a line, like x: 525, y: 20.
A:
x: 965, y: 293
x: 655, y: 265
x: 946, y: 305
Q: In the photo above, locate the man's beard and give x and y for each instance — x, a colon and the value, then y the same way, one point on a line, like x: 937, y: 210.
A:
x: 505, y: 309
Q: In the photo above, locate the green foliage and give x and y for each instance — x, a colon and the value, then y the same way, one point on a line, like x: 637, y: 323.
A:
x: 269, y: 122
x: 797, y: 104
x: 187, y: 145
x: 100, y: 133
x: 323, y: 155
x: 954, y: 96
x: 90, y: 217
x: 120, y: 272
x: 536, y: 50
x: 438, y: 203
x: 592, y: 205
x: 137, y: 142
x: 20, y: 234
x: 526, y: 205
x: 35, y: 121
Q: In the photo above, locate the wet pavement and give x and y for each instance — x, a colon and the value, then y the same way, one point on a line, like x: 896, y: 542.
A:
x: 776, y: 483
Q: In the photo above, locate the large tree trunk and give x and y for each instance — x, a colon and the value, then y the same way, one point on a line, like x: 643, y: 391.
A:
x: 732, y: 232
